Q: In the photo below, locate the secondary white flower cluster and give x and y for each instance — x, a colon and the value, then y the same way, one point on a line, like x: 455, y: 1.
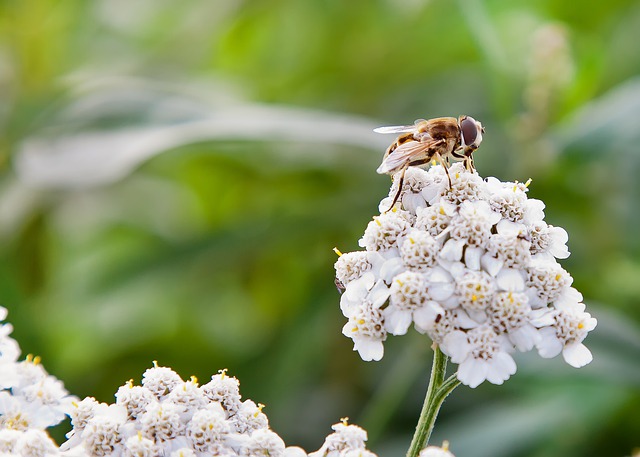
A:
x: 473, y: 265
x: 164, y: 416
x: 31, y: 400
x: 171, y: 417
x: 435, y: 451
x: 346, y: 441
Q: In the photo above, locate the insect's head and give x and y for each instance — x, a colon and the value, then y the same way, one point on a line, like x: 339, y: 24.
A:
x: 471, y: 133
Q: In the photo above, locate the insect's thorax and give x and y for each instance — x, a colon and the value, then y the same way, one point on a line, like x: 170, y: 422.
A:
x: 441, y: 127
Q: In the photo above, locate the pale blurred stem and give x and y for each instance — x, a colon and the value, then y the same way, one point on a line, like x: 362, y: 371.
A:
x: 436, y: 393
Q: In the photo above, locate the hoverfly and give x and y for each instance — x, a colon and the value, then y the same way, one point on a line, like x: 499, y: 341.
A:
x: 428, y: 140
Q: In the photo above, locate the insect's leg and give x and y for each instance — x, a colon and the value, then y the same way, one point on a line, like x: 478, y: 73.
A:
x: 468, y: 163
x: 399, y: 191
x: 444, y: 165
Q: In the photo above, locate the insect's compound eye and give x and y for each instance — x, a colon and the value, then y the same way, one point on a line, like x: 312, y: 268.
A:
x: 469, y: 130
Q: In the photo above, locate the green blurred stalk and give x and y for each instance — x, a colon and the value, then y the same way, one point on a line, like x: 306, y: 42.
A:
x: 436, y: 393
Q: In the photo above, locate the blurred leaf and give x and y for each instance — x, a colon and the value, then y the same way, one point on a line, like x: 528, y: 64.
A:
x: 98, y: 157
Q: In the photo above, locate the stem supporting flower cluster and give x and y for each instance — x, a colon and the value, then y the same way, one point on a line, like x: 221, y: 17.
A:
x: 437, y: 391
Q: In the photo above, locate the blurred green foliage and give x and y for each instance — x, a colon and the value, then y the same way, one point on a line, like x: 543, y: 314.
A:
x: 174, y: 175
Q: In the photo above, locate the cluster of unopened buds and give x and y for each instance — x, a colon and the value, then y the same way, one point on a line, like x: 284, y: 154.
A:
x: 473, y: 265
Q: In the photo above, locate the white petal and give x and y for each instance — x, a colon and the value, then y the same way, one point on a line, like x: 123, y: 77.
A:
x: 472, y: 372
x: 501, y: 368
x: 590, y: 323
x: 452, y: 302
x: 390, y: 268
x: 432, y: 191
x: 385, y: 205
x: 455, y: 269
x: 558, y: 235
x: 533, y: 211
x: 456, y: 346
x: 510, y: 228
x: 424, y: 317
x: 452, y: 250
x: 412, y: 201
x: 357, y: 290
x: 472, y: 257
x: 569, y: 298
x: 396, y: 321
x: 376, y: 260
x: 577, y: 355
x: 542, y: 317
x: 494, y: 185
x: 548, y: 345
x: 348, y: 307
x: 440, y: 291
x: 390, y: 253
x: 558, y: 243
x: 490, y: 264
x: 524, y: 338
x: 543, y: 257
x: 438, y: 274
x: 478, y: 316
x: 510, y: 279
x: 348, y: 329
x: 494, y: 217
x: 294, y: 451
x: 369, y: 349
x: 559, y: 251
x: 379, y: 294
x: 534, y: 300
x: 464, y: 321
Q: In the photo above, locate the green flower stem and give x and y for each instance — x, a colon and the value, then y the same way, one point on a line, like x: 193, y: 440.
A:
x: 436, y: 393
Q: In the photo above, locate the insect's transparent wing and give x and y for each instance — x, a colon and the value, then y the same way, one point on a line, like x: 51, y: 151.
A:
x: 396, y: 129
x: 403, y: 154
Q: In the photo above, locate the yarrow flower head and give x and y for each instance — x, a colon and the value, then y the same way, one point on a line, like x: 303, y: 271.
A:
x: 165, y: 416
x: 172, y: 417
x: 473, y: 265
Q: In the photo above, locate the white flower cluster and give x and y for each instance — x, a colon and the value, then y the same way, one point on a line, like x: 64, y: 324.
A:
x: 435, y: 451
x: 171, y: 417
x: 473, y: 265
x: 164, y: 416
x: 346, y: 441
x: 31, y: 400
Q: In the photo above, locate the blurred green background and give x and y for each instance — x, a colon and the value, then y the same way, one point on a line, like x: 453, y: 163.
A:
x: 174, y: 174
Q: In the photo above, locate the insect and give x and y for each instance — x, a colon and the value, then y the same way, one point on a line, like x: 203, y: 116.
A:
x: 428, y: 140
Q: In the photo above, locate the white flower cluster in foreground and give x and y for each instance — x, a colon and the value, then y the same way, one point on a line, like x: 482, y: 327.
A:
x: 31, y: 400
x: 165, y: 416
x: 171, y: 417
x: 473, y: 266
